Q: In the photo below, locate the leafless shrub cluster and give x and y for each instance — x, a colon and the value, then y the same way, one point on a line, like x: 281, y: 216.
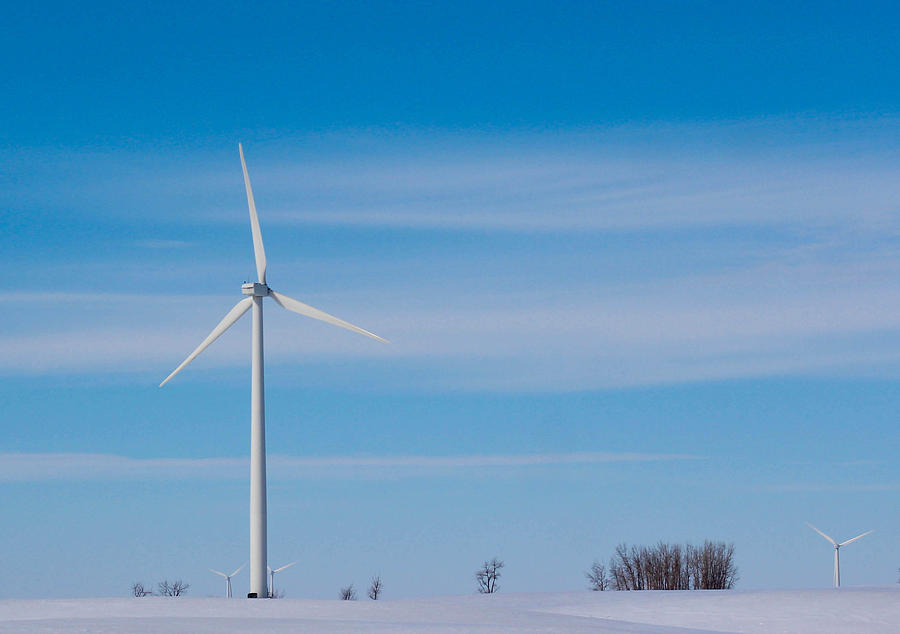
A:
x: 376, y: 588
x: 138, y: 590
x: 668, y: 567
x: 487, y: 576
x: 163, y: 589
x: 173, y: 589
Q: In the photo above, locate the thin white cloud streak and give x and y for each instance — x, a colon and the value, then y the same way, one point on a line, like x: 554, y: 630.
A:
x: 163, y: 244
x: 872, y: 487
x: 713, y: 314
x: 700, y: 328
x: 37, y: 467
x: 603, y: 195
x: 821, y: 173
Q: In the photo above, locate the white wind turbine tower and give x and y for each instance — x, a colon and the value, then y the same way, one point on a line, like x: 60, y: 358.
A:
x: 255, y: 293
x: 272, y: 577
x: 227, y: 579
x: 837, y: 551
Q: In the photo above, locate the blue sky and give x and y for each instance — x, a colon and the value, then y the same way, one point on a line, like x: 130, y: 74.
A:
x: 637, y: 263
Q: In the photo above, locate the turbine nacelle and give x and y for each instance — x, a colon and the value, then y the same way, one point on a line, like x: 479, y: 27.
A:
x: 255, y: 289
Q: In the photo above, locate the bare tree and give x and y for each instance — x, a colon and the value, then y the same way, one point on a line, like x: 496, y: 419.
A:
x: 375, y: 588
x: 487, y: 576
x: 348, y: 593
x: 139, y: 590
x: 624, y: 572
x: 597, y: 577
x: 174, y: 589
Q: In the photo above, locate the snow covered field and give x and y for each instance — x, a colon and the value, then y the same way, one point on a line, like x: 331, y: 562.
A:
x: 849, y: 610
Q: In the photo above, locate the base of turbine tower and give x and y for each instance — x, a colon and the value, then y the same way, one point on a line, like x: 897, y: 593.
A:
x: 252, y: 595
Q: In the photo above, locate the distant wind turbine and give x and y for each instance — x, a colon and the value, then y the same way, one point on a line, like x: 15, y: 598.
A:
x: 227, y: 579
x: 837, y: 551
x: 272, y: 576
x: 255, y: 292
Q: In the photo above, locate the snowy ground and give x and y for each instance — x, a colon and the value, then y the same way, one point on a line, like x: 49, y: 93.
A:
x: 849, y: 610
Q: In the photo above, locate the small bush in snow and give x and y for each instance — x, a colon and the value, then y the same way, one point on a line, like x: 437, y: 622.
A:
x: 139, y: 590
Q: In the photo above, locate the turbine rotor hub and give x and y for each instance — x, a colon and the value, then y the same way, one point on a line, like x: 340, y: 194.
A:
x: 255, y: 289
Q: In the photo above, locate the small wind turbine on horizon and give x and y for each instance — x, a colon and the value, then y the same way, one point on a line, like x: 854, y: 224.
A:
x: 227, y: 579
x: 255, y: 292
x: 837, y: 551
x: 272, y: 577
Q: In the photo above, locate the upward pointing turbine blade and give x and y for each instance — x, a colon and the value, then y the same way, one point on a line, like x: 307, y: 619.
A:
x: 238, y: 570
x: 300, y: 308
x: 259, y: 251
x: 221, y: 574
x: 850, y: 541
x: 834, y: 543
x: 233, y: 315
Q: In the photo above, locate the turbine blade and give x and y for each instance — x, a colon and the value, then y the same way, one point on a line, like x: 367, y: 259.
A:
x: 221, y: 574
x: 259, y: 251
x: 283, y: 567
x: 233, y: 315
x: 238, y: 570
x: 270, y: 568
x: 850, y: 541
x: 300, y: 308
x: 833, y: 543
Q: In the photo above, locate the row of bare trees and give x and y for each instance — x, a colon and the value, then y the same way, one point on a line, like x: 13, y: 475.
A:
x: 163, y: 589
x: 376, y: 587
x: 178, y: 588
x: 665, y: 566
x: 486, y: 577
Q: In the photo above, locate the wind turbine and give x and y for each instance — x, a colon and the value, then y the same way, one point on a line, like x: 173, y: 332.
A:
x: 272, y: 576
x: 837, y: 551
x: 227, y: 579
x: 255, y: 292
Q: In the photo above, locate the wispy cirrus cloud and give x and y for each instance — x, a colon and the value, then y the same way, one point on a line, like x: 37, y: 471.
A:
x: 834, y: 488
x: 818, y: 172
x: 594, y: 193
x: 751, y: 249
x: 29, y: 467
x: 741, y: 324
